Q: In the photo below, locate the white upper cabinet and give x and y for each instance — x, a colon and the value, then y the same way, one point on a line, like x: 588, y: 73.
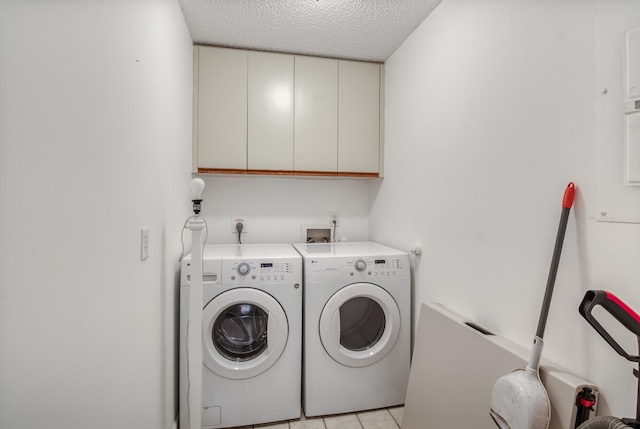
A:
x: 316, y: 115
x: 270, y: 113
x: 358, y: 117
x: 220, y: 116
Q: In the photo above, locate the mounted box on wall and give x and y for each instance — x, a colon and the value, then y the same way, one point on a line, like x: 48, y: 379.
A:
x: 632, y: 108
x: 617, y: 125
x: 316, y: 233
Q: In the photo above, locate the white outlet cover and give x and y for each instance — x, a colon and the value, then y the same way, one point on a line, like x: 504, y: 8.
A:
x: 235, y: 220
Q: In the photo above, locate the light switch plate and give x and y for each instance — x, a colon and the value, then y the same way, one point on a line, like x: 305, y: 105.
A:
x: 144, y: 244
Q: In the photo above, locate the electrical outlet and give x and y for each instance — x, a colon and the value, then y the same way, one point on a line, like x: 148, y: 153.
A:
x: 236, y: 220
x: 144, y: 243
x: 334, y: 216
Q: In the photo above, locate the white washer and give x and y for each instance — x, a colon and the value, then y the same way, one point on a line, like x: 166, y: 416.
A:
x: 357, y: 333
x: 252, y: 335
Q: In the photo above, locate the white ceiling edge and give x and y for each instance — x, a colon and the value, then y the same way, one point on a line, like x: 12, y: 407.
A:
x: 363, y: 30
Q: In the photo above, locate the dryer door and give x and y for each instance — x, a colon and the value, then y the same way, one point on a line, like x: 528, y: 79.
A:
x: 359, y: 325
x: 244, y: 332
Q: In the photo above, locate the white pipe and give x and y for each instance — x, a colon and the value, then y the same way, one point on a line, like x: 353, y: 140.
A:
x: 536, y: 352
x: 196, y: 225
x: 604, y: 422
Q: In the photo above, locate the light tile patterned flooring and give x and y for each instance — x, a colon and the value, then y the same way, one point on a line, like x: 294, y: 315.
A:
x: 386, y: 418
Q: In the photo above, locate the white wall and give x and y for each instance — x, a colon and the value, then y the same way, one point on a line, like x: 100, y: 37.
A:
x: 95, y: 129
x: 492, y: 108
x: 275, y: 208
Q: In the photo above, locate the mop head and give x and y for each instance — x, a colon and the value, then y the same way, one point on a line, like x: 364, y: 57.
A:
x: 520, y: 401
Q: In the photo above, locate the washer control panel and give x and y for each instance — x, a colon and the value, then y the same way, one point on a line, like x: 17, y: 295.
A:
x: 261, y: 271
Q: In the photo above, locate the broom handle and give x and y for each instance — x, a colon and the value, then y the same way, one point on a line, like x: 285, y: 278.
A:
x: 567, y: 202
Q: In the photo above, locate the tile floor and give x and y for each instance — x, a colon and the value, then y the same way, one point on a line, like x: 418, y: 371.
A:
x: 386, y: 418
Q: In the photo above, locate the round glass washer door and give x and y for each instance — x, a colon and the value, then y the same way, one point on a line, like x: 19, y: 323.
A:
x: 244, y: 331
x: 359, y: 325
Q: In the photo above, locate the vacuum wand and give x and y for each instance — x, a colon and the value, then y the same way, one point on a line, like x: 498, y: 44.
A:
x: 519, y: 399
x: 567, y: 203
x: 555, y: 262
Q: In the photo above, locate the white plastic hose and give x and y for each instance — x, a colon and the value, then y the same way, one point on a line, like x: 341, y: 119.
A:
x: 604, y: 422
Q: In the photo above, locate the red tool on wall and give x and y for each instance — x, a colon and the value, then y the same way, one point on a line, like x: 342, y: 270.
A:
x: 519, y: 399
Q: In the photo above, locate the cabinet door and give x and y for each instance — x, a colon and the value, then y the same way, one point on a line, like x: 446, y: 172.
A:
x: 359, y: 117
x: 222, y: 108
x: 316, y: 115
x: 270, y: 112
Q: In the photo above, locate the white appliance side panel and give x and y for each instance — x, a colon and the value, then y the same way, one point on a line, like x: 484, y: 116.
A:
x: 632, y: 113
x: 632, y: 134
x: 633, y: 64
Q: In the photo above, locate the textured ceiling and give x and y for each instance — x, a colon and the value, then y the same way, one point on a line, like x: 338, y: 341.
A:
x: 367, y: 30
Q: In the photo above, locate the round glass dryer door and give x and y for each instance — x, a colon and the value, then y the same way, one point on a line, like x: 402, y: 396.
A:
x: 240, y: 332
x: 244, y: 332
x: 359, y: 325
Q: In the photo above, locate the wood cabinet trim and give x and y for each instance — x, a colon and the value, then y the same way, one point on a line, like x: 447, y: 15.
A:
x: 328, y: 174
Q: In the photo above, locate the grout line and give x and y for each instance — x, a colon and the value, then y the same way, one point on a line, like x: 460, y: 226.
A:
x: 395, y: 422
x: 324, y: 423
x: 394, y: 418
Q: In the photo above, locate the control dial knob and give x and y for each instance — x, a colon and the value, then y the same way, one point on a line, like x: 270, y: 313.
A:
x: 243, y: 269
x: 360, y: 265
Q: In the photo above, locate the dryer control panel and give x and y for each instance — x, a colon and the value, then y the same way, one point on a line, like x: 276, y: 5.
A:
x: 261, y: 271
x: 357, y: 268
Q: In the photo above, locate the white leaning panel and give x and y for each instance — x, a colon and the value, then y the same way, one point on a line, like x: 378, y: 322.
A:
x: 455, y: 366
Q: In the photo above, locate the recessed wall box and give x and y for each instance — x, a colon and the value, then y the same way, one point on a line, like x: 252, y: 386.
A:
x: 316, y: 233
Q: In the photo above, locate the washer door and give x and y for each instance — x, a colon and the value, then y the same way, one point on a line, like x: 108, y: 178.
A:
x: 244, y: 332
x: 359, y: 325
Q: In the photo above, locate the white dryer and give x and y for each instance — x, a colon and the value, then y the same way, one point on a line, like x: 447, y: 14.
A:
x: 252, y: 335
x: 357, y: 333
